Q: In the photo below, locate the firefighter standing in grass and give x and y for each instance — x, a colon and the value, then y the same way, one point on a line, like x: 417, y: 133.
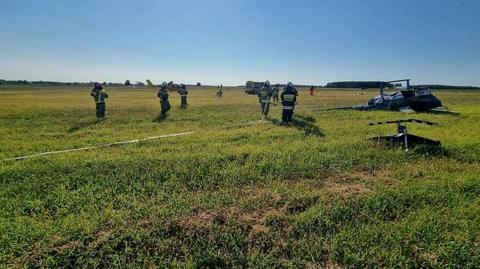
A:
x: 264, y: 96
x: 220, y: 91
x: 99, y: 95
x: 275, y: 93
x: 183, y: 95
x: 289, y: 99
x: 163, y: 95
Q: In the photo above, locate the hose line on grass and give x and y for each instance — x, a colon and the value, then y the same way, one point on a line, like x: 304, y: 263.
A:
x: 121, y: 143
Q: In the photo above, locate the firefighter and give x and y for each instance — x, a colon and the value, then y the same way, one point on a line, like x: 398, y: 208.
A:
x: 275, y: 93
x: 163, y: 95
x: 264, y: 96
x: 171, y: 86
x: 220, y: 91
x: 99, y: 95
x: 289, y: 99
x: 183, y: 95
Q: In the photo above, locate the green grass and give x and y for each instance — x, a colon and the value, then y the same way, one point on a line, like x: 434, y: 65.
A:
x: 316, y: 194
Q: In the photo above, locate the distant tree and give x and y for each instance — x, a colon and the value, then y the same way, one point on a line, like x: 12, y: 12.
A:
x: 199, y: 84
x: 127, y: 83
x: 104, y: 83
x: 18, y: 82
x: 139, y: 84
x: 358, y: 84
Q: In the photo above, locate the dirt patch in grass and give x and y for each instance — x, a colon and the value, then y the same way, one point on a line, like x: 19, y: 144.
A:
x: 365, y: 175
x: 347, y: 190
x: 359, y: 182
x: 203, y: 219
x: 99, y: 239
x: 268, y: 207
x: 56, y: 244
x: 255, y: 221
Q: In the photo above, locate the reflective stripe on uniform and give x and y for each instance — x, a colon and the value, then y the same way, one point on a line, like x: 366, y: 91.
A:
x: 288, y: 107
x: 288, y: 97
x: 264, y: 101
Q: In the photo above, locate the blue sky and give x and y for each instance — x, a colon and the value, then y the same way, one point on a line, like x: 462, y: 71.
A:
x: 231, y: 41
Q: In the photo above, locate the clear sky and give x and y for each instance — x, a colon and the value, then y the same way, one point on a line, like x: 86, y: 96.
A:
x: 231, y: 41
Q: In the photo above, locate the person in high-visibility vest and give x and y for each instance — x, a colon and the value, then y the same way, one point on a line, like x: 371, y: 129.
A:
x: 275, y: 94
x: 220, y: 91
x: 163, y: 95
x: 289, y: 99
x: 264, y: 96
x: 183, y: 95
x: 99, y: 95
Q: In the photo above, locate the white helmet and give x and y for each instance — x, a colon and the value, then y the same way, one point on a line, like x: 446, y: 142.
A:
x: 267, y: 83
x: 290, y: 84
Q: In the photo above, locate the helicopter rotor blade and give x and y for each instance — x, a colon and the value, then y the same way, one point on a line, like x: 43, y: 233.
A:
x: 422, y: 122
x: 401, y: 121
x: 383, y: 122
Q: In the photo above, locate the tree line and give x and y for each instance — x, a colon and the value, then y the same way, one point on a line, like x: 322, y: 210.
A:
x: 338, y: 84
x: 377, y: 84
x: 359, y: 84
x: 53, y: 83
x: 448, y: 87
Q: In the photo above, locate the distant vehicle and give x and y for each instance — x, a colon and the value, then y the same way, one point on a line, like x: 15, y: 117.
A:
x: 408, y: 100
x: 252, y: 87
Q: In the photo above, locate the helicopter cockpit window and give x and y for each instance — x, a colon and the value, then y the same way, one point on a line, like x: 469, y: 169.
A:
x: 423, y: 92
x: 408, y: 93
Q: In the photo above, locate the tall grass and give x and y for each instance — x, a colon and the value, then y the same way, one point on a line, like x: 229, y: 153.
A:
x: 317, y: 193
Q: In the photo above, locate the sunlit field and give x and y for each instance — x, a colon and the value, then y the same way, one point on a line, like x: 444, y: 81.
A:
x: 238, y: 192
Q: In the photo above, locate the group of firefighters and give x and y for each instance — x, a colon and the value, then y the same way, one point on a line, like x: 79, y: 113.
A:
x: 267, y: 92
x: 288, y: 97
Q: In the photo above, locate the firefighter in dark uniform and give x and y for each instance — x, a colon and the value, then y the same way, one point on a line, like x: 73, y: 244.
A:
x: 163, y: 95
x: 289, y: 99
x: 183, y: 95
x: 99, y: 95
x: 264, y: 96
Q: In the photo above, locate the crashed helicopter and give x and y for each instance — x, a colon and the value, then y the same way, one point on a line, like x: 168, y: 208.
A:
x: 409, y: 100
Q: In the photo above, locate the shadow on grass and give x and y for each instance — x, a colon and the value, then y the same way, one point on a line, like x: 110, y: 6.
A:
x: 160, y: 118
x: 303, y: 123
x: 430, y: 151
x: 305, y: 118
x: 81, y: 125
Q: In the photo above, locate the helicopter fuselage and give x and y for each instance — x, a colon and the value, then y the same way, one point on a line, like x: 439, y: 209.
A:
x: 417, y: 100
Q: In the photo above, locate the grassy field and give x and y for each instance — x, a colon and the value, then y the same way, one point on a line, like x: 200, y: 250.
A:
x: 312, y: 195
